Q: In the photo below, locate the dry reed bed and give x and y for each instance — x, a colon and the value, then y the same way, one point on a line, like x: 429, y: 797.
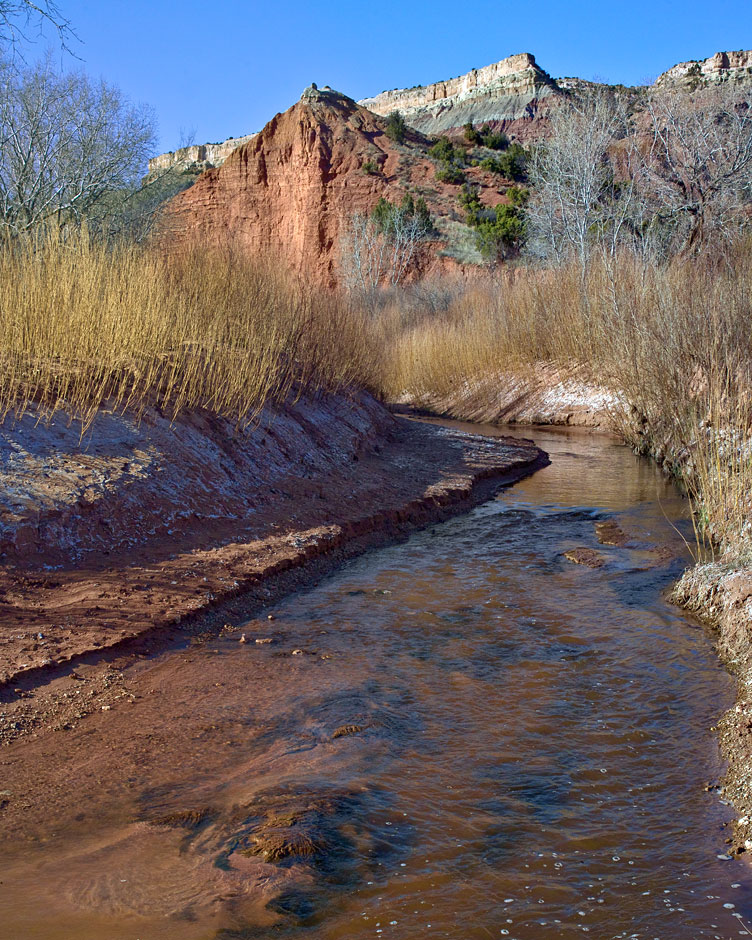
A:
x: 83, y: 325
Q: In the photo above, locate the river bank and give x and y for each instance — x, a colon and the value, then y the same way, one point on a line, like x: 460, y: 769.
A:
x: 128, y: 540
x: 544, y: 394
x: 721, y: 594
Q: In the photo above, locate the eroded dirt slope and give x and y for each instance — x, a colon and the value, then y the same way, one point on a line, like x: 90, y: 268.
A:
x: 138, y: 528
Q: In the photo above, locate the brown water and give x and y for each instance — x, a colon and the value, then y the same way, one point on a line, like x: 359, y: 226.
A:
x: 532, y: 757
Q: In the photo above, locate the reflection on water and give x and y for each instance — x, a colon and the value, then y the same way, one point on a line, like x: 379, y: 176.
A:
x: 480, y: 739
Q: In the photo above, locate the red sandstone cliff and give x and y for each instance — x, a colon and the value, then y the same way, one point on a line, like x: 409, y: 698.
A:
x: 289, y: 191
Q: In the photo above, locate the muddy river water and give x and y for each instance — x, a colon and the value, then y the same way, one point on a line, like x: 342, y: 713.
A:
x: 467, y: 736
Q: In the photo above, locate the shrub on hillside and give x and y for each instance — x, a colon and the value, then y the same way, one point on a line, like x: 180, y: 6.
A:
x: 485, y: 137
x: 511, y: 164
x: 446, y: 151
x: 499, y: 232
x: 450, y: 173
x: 387, y: 216
x: 494, y: 141
x: 501, y: 237
x: 396, y: 129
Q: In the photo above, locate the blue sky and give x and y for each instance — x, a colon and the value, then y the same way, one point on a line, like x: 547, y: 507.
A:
x: 218, y: 69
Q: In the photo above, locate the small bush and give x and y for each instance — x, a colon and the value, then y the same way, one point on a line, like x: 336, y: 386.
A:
x: 514, y: 162
x: 472, y: 136
x: 396, y: 129
x: 371, y: 168
x: 450, y: 173
x: 445, y: 150
x: 492, y: 140
x: 501, y: 237
x: 518, y: 195
x: 385, y: 213
x: 422, y: 214
x: 470, y: 202
x: 511, y: 164
x: 499, y: 232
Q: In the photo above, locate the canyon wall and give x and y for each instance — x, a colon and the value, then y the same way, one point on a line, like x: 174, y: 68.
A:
x: 513, y: 95
x: 507, y: 94
x: 721, y: 67
x: 206, y: 155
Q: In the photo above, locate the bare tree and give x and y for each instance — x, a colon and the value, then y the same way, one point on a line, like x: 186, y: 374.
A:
x: 17, y: 17
x: 671, y: 177
x: 67, y: 145
x: 378, y: 252
x: 696, y: 170
x: 578, y: 203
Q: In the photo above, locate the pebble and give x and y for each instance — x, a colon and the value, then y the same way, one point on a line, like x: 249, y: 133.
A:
x: 265, y: 639
x: 243, y: 639
x: 297, y: 652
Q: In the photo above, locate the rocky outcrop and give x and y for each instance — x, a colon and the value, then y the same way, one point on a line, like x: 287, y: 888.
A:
x: 721, y: 67
x: 509, y: 95
x: 289, y: 192
x: 204, y: 156
x: 513, y: 94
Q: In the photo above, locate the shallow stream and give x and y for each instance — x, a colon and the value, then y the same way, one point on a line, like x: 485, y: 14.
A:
x: 478, y: 738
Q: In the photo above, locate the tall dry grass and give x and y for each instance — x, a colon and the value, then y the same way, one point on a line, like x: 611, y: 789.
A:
x: 83, y: 325
x: 671, y: 343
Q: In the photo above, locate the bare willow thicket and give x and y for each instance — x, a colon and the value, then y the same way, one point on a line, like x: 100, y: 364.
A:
x: 376, y: 255
x: 663, y: 172
x: 70, y: 148
x: 84, y: 326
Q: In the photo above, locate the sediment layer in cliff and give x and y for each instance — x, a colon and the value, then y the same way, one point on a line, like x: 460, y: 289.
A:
x: 721, y: 67
x: 511, y: 94
x: 203, y: 156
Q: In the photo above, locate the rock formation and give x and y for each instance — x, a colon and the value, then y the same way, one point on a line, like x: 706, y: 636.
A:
x: 201, y: 156
x: 508, y: 95
x: 721, y: 67
x: 289, y: 191
x: 513, y: 95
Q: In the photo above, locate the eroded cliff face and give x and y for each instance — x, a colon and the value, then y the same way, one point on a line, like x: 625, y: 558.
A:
x: 512, y: 95
x: 205, y: 156
x: 289, y: 191
x: 721, y: 67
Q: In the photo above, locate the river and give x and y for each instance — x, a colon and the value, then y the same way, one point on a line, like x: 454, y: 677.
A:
x: 466, y: 736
